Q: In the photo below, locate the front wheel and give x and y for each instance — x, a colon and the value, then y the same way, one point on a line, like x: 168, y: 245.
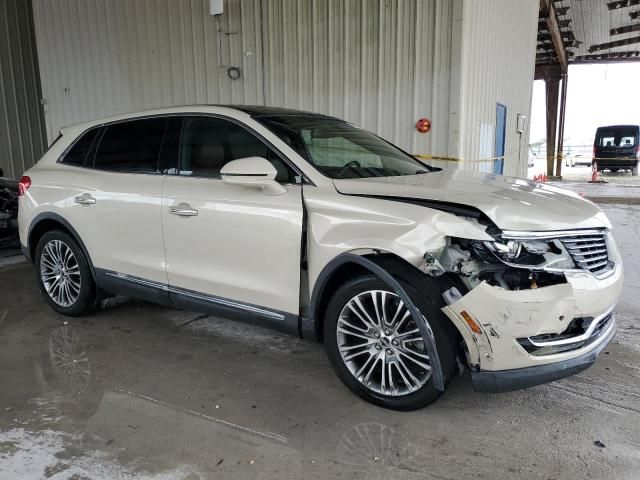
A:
x: 64, y: 275
x: 376, y: 347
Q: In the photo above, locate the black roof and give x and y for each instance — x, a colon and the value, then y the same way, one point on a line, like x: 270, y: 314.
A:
x: 264, y: 111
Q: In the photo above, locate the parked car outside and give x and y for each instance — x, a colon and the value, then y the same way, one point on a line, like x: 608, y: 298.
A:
x: 584, y: 159
x: 310, y: 225
x: 8, y: 212
x: 617, y: 147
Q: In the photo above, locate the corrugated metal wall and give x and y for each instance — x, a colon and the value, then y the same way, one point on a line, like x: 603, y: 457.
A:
x: 497, y: 63
x: 22, y: 135
x: 102, y: 57
x: 379, y: 63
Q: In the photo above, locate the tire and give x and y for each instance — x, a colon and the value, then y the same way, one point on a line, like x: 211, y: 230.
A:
x: 406, y: 397
x: 614, y: 170
x: 75, y: 293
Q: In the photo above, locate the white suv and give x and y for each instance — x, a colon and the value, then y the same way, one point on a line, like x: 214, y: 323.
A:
x: 307, y: 224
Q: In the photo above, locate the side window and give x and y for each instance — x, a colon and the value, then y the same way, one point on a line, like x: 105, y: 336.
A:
x: 132, y: 146
x: 207, y: 144
x: 78, y: 153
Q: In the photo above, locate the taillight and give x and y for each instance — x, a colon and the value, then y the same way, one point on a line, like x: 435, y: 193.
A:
x: 23, y: 185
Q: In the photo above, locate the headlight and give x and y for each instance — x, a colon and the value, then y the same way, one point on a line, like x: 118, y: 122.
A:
x: 535, y: 254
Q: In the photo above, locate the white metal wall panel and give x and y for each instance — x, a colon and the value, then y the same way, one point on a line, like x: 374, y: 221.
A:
x: 497, y: 62
x: 102, y: 57
x: 381, y: 64
x: 22, y: 134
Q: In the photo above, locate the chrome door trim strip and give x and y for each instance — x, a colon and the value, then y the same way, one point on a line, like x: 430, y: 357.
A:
x: 198, y: 296
x: 138, y: 280
x: 226, y: 302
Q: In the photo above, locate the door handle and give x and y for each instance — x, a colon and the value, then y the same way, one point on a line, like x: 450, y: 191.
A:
x: 183, y: 210
x: 85, y: 199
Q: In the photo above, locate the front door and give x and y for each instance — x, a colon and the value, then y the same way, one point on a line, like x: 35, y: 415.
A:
x: 501, y: 127
x: 226, y: 242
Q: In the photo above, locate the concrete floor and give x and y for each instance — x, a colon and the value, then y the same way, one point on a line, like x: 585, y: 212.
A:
x: 142, y: 391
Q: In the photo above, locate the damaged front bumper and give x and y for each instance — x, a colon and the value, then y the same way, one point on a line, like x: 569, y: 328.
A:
x: 516, y: 379
x: 521, y: 338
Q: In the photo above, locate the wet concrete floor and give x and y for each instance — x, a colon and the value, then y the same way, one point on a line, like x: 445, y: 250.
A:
x: 142, y: 391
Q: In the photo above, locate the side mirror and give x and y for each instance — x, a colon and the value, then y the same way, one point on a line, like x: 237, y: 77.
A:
x: 254, y: 172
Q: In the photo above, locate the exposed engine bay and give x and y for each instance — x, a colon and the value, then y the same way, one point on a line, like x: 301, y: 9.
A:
x: 512, y: 265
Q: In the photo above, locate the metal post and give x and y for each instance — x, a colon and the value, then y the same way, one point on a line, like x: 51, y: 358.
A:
x: 552, y: 87
x: 563, y: 104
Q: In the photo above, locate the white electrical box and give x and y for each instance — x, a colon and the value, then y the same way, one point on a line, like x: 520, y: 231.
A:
x: 216, y: 7
x: 521, y: 124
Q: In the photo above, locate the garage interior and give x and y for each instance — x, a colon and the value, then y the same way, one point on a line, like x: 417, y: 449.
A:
x: 143, y: 391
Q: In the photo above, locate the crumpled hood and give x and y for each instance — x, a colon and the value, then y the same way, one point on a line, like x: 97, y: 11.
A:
x: 511, y: 203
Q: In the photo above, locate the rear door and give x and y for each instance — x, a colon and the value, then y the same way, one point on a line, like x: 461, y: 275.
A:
x: 227, y: 242
x: 616, y: 143
x: 115, y: 198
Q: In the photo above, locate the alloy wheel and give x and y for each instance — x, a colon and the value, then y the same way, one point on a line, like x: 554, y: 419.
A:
x: 381, y: 344
x: 60, y: 273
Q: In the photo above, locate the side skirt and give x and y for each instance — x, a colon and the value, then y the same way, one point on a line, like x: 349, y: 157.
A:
x: 156, y: 292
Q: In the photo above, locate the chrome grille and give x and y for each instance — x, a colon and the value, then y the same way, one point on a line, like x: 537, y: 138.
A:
x: 589, y: 251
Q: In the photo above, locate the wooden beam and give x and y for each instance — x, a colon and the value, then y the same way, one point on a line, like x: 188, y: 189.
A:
x: 563, y: 105
x: 548, y: 72
x: 548, y: 11
x: 552, y: 89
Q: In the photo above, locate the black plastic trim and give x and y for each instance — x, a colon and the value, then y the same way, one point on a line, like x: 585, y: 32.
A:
x: 157, y: 292
x: 26, y: 253
x: 61, y: 220
x: 385, y: 276
x: 519, y: 378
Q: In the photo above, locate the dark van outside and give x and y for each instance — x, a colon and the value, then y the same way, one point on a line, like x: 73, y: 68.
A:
x: 617, y: 147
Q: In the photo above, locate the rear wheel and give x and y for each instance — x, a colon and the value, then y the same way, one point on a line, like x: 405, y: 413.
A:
x: 64, y: 275
x: 376, y: 347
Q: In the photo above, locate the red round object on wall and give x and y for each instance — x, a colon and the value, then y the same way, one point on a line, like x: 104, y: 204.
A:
x: 423, y: 125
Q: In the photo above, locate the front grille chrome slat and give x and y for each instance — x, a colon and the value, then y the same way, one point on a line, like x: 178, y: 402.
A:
x: 582, y: 246
x: 590, y: 238
x: 592, y: 252
x: 588, y: 251
x: 591, y: 259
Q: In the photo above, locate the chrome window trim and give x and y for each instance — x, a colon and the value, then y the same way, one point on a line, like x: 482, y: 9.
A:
x: 188, y: 113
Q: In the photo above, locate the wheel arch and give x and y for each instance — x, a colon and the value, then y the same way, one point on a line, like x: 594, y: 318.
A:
x: 389, y: 268
x: 47, y: 221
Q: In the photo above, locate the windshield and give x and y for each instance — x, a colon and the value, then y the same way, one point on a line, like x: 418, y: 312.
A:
x: 341, y: 150
x: 616, y: 137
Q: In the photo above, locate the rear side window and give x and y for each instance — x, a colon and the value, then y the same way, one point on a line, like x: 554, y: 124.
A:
x: 79, y: 151
x: 131, y: 146
x: 621, y: 136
